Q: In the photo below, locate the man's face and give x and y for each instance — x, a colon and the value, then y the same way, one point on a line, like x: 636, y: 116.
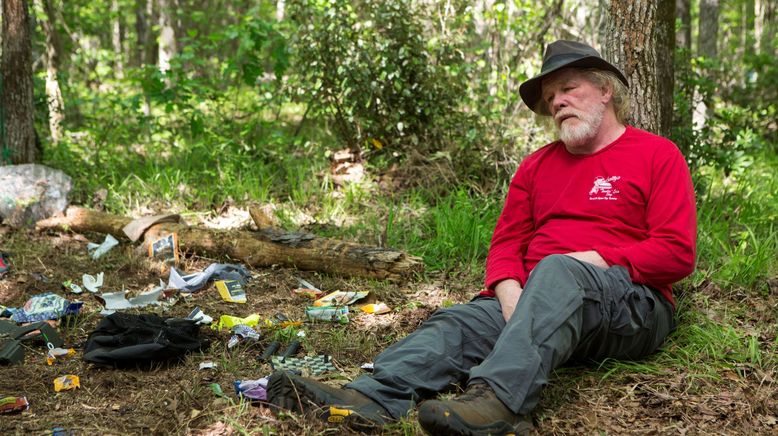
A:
x: 576, y: 104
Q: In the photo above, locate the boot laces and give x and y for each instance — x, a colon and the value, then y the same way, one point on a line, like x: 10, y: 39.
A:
x: 476, y: 391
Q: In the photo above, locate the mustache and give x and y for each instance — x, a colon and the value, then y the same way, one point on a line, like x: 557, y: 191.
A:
x: 566, y: 113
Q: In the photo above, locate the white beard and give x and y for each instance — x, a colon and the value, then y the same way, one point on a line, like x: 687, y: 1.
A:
x: 584, y: 130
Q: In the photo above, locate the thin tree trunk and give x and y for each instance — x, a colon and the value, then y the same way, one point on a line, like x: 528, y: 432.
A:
x: 117, y: 39
x: 765, y: 25
x: 19, y: 139
x: 280, y: 10
x: 665, y: 72
x: 636, y: 41
x: 167, y: 35
x: 707, y: 47
x: 56, y: 104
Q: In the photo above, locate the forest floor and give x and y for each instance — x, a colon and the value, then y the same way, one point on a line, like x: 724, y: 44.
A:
x: 176, y: 398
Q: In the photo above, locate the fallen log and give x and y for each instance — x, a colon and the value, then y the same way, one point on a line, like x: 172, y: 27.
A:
x: 269, y: 246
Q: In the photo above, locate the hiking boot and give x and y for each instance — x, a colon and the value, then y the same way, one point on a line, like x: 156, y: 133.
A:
x: 337, y: 405
x: 478, y: 411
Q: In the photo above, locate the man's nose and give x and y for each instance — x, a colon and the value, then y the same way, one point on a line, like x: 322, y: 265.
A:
x: 558, y: 102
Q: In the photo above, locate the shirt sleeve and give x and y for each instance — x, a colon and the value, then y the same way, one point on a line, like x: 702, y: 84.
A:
x: 669, y: 251
x: 511, y: 234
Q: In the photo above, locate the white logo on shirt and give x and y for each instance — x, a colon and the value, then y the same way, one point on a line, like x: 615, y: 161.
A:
x: 603, y: 188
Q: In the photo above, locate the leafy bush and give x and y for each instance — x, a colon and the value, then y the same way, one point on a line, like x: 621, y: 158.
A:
x: 368, y: 67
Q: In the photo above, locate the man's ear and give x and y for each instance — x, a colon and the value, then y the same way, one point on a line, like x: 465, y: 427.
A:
x: 607, y: 92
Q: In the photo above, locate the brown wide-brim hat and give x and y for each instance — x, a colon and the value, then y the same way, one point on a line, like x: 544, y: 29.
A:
x: 563, y: 54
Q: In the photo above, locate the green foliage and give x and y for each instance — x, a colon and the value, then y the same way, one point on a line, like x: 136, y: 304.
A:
x: 370, y: 68
x: 737, y: 237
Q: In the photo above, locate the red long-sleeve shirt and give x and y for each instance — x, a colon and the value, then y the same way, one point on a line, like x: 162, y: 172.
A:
x: 632, y: 202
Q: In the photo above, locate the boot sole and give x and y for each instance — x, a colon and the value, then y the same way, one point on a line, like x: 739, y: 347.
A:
x: 455, y: 425
x: 282, y: 392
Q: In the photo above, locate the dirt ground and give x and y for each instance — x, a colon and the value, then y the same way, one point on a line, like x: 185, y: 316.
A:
x: 175, y: 398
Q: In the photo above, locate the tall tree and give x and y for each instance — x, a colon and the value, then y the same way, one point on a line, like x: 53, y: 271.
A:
x: 56, y: 104
x: 19, y: 139
x: 707, y: 47
x: 765, y: 24
x: 640, y: 40
x: 167, y: 34
x: 117, y: 38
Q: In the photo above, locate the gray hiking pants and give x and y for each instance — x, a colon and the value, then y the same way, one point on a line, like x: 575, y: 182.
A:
x: 569, y: 310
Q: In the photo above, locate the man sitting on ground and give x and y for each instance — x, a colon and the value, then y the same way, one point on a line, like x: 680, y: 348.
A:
x: 595, y: 228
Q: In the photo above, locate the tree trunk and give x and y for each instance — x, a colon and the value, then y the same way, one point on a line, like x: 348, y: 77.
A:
x: 683, y: 37
x: 765, y: 22
x: 637, y: 41
x: 665, y: 72
x: 19, y: 139
x: 167, y: 35
x: 117, y: 38
x: 267, y: 247
x: 280, y: 10
x: 55, y: 102
x: 707, y: 47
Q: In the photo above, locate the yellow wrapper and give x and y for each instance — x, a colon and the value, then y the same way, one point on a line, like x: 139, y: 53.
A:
x: 66, y: 383
x: 375, y: 308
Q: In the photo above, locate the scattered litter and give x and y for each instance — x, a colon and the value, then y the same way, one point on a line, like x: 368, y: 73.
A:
x: 114, y: 301
x: 72, y: 287
x: 340, y: 298
x: 244, y: 332
x: 199, y: 316
x: 31, y: 192
x: 165, y: 249
x: 5, y: 264
x: 208, y: 365
x: 231, y: 291
x: 66, y: 383
x: 39, y: 277
x: 375, y: 308
x: 44, y: 307
x: 367, y: 367
x: 135, y: 229
x: 291, y: 350
x: 314, y: 365
x: 229, y: 321
x: 91, y: 283
x: 331, y: 314
x: 307, y: 285
x: 280, y: 320
x: 58, y: 353
x: 128, y: 339
x: 217, y: 389
x: 269, y: 351
x: 216, y: 271
x: 11, y: 350
x: 252, y: 389
x: 313, y: 294
x: 97, y: 251
x: 11, y: 405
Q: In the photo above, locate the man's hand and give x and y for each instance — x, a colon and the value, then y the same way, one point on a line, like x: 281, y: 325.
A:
x: 590, y: 256
x: 508, y: 292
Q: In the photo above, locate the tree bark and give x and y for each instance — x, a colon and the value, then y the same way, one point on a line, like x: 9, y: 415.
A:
x: 637, y: 41
x: 707, y: 47
x: 19, y: 139
x: 56, y: 103
x: 267, y: 247
x: 117, y: 38
x: 665, y: 72
x: 683, y: 37
x: 167, y: 35
x: 765, y: 23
